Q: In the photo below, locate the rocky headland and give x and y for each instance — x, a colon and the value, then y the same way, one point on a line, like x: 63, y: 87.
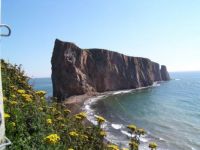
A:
x: 77, y: 71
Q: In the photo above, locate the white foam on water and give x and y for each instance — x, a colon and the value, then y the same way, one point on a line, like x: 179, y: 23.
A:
x: 116, y: 126
x: 193, y: 148
x: 155, y: 84
x: 126, y: 133
x: 122, y: 92
x: 90, y: 112
x: 142, y: 138
x: 110, y: 137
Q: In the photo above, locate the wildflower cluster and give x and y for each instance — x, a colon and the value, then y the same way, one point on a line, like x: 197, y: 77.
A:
x: 112, y: 147
x: 41, y: 93
x: 73, y: 134
x: 136, y: 133
x: 153, y: 145
x: 49, y: 121
x: 52, y: 139
x: 6, y: 115
x: 81, y: 116
x: 100, y: 120
x: 34, y: 123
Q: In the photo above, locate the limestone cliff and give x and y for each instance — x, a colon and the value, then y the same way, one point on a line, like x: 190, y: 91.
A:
x: 76, y: 71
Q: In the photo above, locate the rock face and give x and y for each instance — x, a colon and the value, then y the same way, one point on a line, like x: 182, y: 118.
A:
x: 164, y: 73
x: 76, y: 71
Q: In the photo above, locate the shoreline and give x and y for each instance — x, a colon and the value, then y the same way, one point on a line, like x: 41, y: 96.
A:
x: 79, y: 103
x: 76, y: 102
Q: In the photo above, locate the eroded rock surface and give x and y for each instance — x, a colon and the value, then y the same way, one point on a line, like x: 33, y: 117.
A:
x: 78, y: 71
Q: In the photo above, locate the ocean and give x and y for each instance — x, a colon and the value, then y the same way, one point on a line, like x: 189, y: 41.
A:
x: 42, y: 84
x: 168, y: 111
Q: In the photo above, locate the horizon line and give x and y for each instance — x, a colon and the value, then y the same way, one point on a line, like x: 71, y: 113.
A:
x: 168, y: 71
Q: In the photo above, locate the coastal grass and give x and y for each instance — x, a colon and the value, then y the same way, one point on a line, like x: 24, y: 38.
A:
x: 34, y: 123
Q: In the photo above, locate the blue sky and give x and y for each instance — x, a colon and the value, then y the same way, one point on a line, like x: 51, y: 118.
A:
x: 166, y: 31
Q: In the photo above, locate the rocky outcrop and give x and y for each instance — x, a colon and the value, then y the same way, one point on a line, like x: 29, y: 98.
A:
x: 77, y: 71
x: 164, y: 73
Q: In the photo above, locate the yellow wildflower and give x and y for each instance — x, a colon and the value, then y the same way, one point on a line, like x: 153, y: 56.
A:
x: 70, y: 149
x: 40, y: 108
x: 41, y: 93
x: 73, y: 134
x: 80, y: 116
x: 4, y: 98
x: 112, y: 147
x: 100, y: 119
x: 49, y: 121
x: 140, y: 131
x: 125, y: 149
x: 21, y: 91
x: 6, y: 115
x: 153, y: 145
x: 27, y: 97
x: 13, y: 96
x: 67, y: 111
x: 103, y: 133
x: 84, y: 137
x: 133, y: 145
x: 132, y: 127
x: 52, y: 138
x: 13, y: 102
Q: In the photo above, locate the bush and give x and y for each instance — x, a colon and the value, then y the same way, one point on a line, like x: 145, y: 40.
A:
x: 32, y: 123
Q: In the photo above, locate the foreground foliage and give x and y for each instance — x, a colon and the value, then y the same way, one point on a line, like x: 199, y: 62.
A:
x: 34, y: 123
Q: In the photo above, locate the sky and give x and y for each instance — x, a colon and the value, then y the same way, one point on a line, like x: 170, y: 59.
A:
x: 165, y: 31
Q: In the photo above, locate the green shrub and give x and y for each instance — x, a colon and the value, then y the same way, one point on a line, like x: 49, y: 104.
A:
x: 33, y: 123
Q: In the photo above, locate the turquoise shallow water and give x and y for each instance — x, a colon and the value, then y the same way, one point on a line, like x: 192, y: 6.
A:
x: 169, y: 112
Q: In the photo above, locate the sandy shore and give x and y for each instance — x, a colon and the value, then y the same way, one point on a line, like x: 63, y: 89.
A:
x: 75, y: 103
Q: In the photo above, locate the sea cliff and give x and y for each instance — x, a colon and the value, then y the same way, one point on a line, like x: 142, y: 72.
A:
x: 77, y: 71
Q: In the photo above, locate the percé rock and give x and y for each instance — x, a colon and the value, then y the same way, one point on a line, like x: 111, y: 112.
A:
x: 78, y: 71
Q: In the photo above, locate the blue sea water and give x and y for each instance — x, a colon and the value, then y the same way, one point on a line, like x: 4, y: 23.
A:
x: 42, y: 84
x: 168, y: 111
